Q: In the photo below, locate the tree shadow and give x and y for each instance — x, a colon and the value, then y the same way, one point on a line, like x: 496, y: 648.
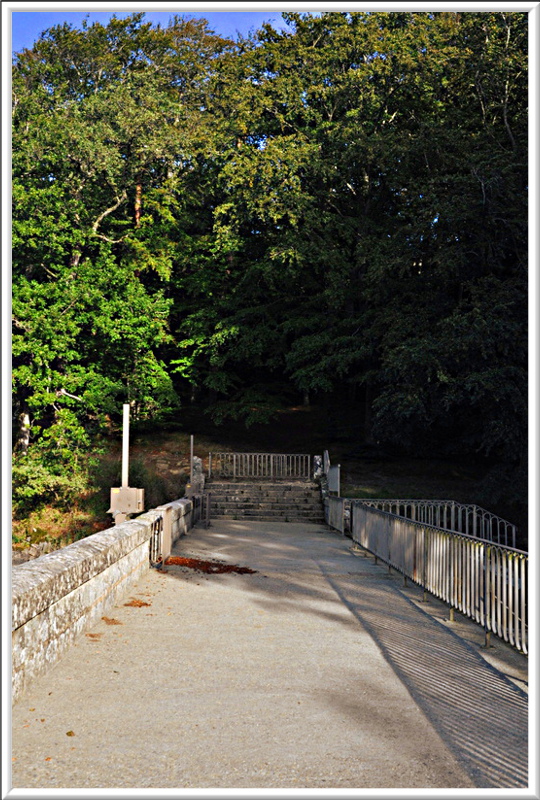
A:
x: 479, y: 713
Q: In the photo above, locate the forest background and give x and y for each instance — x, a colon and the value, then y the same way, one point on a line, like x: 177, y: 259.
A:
x: 334, y: 215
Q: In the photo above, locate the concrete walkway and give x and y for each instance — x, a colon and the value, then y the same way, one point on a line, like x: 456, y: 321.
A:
x: 318, y: 671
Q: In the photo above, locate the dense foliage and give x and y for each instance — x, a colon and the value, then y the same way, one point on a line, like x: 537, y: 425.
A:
x: 341, y: 207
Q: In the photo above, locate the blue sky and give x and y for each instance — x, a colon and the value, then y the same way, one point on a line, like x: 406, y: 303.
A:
x: 28, y: 25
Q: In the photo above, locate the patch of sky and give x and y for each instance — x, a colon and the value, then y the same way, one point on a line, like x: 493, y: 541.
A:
x: 260, y: 142
x: 28, y: 26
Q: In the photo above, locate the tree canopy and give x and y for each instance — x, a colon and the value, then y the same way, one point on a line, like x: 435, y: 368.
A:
x: 338, y: 207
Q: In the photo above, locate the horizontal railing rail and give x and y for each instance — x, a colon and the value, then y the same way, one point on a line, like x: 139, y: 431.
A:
x: 484, y: 580
x: 450, y: 515
x: 274, y: 466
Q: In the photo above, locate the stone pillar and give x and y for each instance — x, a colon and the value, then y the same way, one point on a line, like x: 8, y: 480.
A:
x: 197, y: 484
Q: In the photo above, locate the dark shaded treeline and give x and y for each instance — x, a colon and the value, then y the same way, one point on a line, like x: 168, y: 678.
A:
x: 257, y: 223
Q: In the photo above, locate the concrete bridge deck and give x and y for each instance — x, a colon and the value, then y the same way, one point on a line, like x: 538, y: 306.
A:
x: 318, y: 671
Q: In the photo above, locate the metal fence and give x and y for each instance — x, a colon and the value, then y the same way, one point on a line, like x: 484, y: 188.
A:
x: 156, y: 542
x: 337, y: 512
x: 275, y: 466
x: 458, y: 517
x: 484, y: 580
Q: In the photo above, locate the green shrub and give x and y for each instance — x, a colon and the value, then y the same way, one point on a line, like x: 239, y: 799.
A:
x: 35, y: 483
x: 108, y: 473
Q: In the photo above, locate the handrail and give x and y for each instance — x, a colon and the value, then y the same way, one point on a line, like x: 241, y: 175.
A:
x: 484, y: 580
x: 469, y: 519
x: 338, y: 513
x: 274, y: 466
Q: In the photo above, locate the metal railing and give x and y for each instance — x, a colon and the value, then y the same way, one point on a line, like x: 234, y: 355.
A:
x: 484, y: 580
x: 338, y: 513
x: 196, y: 508
x: 458, y: 517
x: 156, y: 543
x: 275, y: 466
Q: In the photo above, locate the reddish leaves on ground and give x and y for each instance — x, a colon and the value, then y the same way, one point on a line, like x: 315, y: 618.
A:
x: 137, y: 603
x: 111, y: 621
x: 209, y: 567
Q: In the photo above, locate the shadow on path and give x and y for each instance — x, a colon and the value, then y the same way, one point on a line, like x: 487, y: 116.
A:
x: 479, y: 713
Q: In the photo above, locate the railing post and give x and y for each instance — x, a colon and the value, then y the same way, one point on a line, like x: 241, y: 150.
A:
x: 207, y: 515
x: 424, y: 566
x: 487, y: 591
x: 209, y: 465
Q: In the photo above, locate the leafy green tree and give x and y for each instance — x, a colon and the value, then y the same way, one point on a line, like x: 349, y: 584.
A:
x: 104, y: 129
x: 336, y: 208
x: 370, y: 207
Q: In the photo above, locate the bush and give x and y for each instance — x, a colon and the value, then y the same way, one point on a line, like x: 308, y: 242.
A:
x: 108, y: 473
x: 36, y: 483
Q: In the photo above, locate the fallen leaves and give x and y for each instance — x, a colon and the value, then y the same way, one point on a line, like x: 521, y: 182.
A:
x: 135, y: 603
x: 94, y: 636
x: 70, y: 733
x: 111, y: 621
x: 208, y: 567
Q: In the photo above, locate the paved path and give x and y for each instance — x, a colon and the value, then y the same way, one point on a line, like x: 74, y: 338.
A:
x: 317, y: 671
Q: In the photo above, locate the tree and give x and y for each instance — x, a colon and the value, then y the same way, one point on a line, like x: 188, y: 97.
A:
x: 104, y: 122
x: 340, y: 207
x: 371, y: 228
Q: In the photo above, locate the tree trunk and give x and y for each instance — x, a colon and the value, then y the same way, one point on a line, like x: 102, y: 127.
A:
x: 138, y: 204
x: 23, y: 439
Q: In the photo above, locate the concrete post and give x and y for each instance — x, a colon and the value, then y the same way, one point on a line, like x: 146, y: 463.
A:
x: 125, y: 446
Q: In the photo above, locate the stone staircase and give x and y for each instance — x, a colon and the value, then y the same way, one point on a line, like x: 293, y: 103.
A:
x: 298, y: 501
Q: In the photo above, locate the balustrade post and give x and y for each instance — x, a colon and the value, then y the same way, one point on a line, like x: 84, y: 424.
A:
x: 424, y: 566
x: 488, y: 589
x: 208, y: 501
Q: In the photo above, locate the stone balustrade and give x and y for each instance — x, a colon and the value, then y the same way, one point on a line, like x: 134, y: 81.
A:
x: 57, y: 597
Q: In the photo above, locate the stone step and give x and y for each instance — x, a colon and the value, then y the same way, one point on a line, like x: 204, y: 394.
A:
x: 266, y: 502
x: 226, y: 506
x: 265, y: 518
x: 298, y: 501
x: 247, y: 493
x: 260, y: 487
x: 272, y: 514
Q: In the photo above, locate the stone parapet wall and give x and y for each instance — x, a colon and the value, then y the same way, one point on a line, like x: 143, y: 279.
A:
x: 56, y: 597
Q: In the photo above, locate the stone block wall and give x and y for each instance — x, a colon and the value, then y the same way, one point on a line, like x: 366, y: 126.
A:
x: 56, y: 597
